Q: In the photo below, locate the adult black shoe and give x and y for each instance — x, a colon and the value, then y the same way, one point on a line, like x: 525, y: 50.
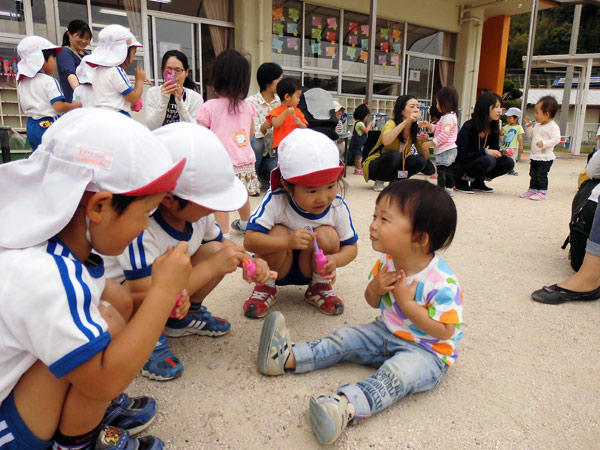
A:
x: 555, y: 295
x: 479, y: 186
x: 463, y: 186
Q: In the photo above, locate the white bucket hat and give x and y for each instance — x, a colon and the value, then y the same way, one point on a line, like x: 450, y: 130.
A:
x: 113, y: 44
x: 87, y: 149
x: 308, y: 158
x: 85, y: 72
x: 208, y: 178
x: 513, y: 112
x: 32, y: 58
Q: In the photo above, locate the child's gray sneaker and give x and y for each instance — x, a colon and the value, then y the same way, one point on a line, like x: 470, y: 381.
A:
x: 275, y: 345
x: 379, y: 185
x: 329, y: 416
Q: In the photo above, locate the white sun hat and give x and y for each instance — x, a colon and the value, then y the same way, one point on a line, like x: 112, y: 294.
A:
x: 208, y: 178
x: 513, y: 112
x: 85, y: 72
x: 308, y: 158
x: 32, y: 58
x: 113, y: 44
x: 87, y: 149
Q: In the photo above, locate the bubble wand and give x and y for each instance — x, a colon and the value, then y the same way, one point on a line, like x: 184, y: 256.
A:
x: 320, y: 258
x: 249, y: 267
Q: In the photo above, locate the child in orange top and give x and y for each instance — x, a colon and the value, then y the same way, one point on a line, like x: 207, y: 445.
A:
x: 287, y: 117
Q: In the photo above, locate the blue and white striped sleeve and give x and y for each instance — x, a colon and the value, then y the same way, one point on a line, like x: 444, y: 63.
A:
x: 138, y: 257
x: 120, y: 81
x: 263, y: 217
x: 343, y: 223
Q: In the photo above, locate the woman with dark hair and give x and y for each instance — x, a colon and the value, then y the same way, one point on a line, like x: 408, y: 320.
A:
x: 479, y: 157
x: 391, y: 158
x: 266, y: 99
x: 176, y: 100
x: 75, y: 41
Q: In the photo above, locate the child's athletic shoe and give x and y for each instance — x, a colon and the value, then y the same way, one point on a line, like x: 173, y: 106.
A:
x: 133, y: 415
x: 538, y: 196
x: 111, y: 438
x: 433, y: 176
x: 275, y: 345
x: 329, y: 416
x: 201, y: 323
x: 527, y: 194
x: 237, y: 225
x: 162, y: 365
x: 322, y: 297
x: 260, y: 301
x: 379, y: 185
x: 358, y: 171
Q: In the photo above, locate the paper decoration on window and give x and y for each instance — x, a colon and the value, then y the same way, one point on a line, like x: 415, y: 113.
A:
x: 351, y: 52
x: 317, y: 34
x: 317, y: 21
x: 277, y: 14
x: 278, y: 28
x: 384, y: 46
x: 364, y: 29
x: 397, y: 48
x: 353, y: 26
x: 292, y: 28
x: 385, y: 32
x: 382, y: 60
x: 332, y: 22
x: 331, y: 36
x: 414, y: 75
x: 352, y: 39
x: 277, y: 44
x: 316, y: 48
x: 330, y: 51
x: 364, y: 56
x: 292, y: 42
x: 294, y: 13
x: 396, y: 34
x: 364, y: 43
x: 394, y: 60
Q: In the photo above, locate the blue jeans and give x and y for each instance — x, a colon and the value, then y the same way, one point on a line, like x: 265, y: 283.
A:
x: 593, y: 243
x: 404, y: 368
x: 264, y: 164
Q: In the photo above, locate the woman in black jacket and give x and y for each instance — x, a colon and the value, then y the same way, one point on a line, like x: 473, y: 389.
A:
x: 479, y: 157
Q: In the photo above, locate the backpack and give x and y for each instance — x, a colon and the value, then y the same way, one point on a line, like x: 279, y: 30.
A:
x: 582, y: 216
x: 320, y: 102
x: 372, y: 139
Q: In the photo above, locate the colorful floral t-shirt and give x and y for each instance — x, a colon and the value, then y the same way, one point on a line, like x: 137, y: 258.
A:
x: 439, y: 292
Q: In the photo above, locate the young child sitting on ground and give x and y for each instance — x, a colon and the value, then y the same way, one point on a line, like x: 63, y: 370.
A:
x: 286, y: 117
x: 413, y: 342
x: 207, y: 184
x: 302, y: 206
x: 64, y: 355
x: 39, y: 94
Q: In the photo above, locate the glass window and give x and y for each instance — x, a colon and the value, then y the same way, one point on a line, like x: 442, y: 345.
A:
x: 70, y: 10
x: 40, y: 26
x: 287, y: 28
x: 8, y: 68
x: 12, y: 19
x: 295, y: 75
x: 355, y: 43
x: 419, y: 77
x: 321, y: 32
x: 443, y: 74
x: 327, y: 82
x: 354, y: 86
x: 208, y: 9
x: 389, y: 40
x: 433, y: 42
x: 173, y: 35
x: 130, y: 17
x: 386, y: 88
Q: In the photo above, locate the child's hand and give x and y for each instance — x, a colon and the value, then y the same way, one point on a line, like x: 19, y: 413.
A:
x: 265, y: 126
x: 171, y: 271
x: 425, y: 124
x: 76, y: 104
x: 384, y: 281
x: 181, y: 309
x: 403, y: 293
x: 290, y: 111
x: 539, y: 144
x: 228, y: 259
x: 328, y: 271
x: 301, y: 239
x: 527, y: 120
x: 262, y: 273
x: 297, y: 121
x: 140, y: 75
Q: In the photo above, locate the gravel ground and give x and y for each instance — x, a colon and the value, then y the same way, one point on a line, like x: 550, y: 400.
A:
x: 527, y: 373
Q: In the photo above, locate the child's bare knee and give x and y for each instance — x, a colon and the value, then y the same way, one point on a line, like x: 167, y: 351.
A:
x: 279, y: 230
x: 328, y: 239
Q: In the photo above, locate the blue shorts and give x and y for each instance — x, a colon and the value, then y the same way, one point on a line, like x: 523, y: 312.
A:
x: 294, y: 276
x: 14, y: 434
x: 36, y: 129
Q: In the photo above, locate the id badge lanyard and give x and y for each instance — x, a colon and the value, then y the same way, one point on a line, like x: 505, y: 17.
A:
x: 403, y: 173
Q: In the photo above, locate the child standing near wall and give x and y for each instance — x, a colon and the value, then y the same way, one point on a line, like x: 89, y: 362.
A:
x: 287, y: 117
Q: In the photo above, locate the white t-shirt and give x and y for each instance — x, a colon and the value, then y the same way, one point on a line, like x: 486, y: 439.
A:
x: 277, y: 207
x: 136, y: 261
x: 48, y: 311
x: 38, y: 94
x: 111, y: 85
x: 84, y: 93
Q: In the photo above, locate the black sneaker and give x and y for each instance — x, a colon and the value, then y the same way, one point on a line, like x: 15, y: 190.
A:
x: 480, y: 186
x: 463, y: 186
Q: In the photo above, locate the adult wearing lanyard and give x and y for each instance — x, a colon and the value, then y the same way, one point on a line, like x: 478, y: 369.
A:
x: 391, y: 157
x: 479, y: 157
x: 75, y: 41
x: 176, y: 100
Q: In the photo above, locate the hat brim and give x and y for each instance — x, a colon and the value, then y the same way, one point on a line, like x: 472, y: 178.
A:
x: 231, y: 199
x: 165, y: 183
x: 317, y: 178
x: 110, y: 55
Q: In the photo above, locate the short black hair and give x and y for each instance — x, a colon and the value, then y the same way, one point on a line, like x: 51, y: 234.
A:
x: 447, y: 97
x: 549, y: 105
x: 120, y: 202
x: 182, y: 202
x: 287, y: 86
x: 231, y: 77
x: 48, y: 53
x: 267, y: 73
x: 361, y: 112
x: 428, y: 207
